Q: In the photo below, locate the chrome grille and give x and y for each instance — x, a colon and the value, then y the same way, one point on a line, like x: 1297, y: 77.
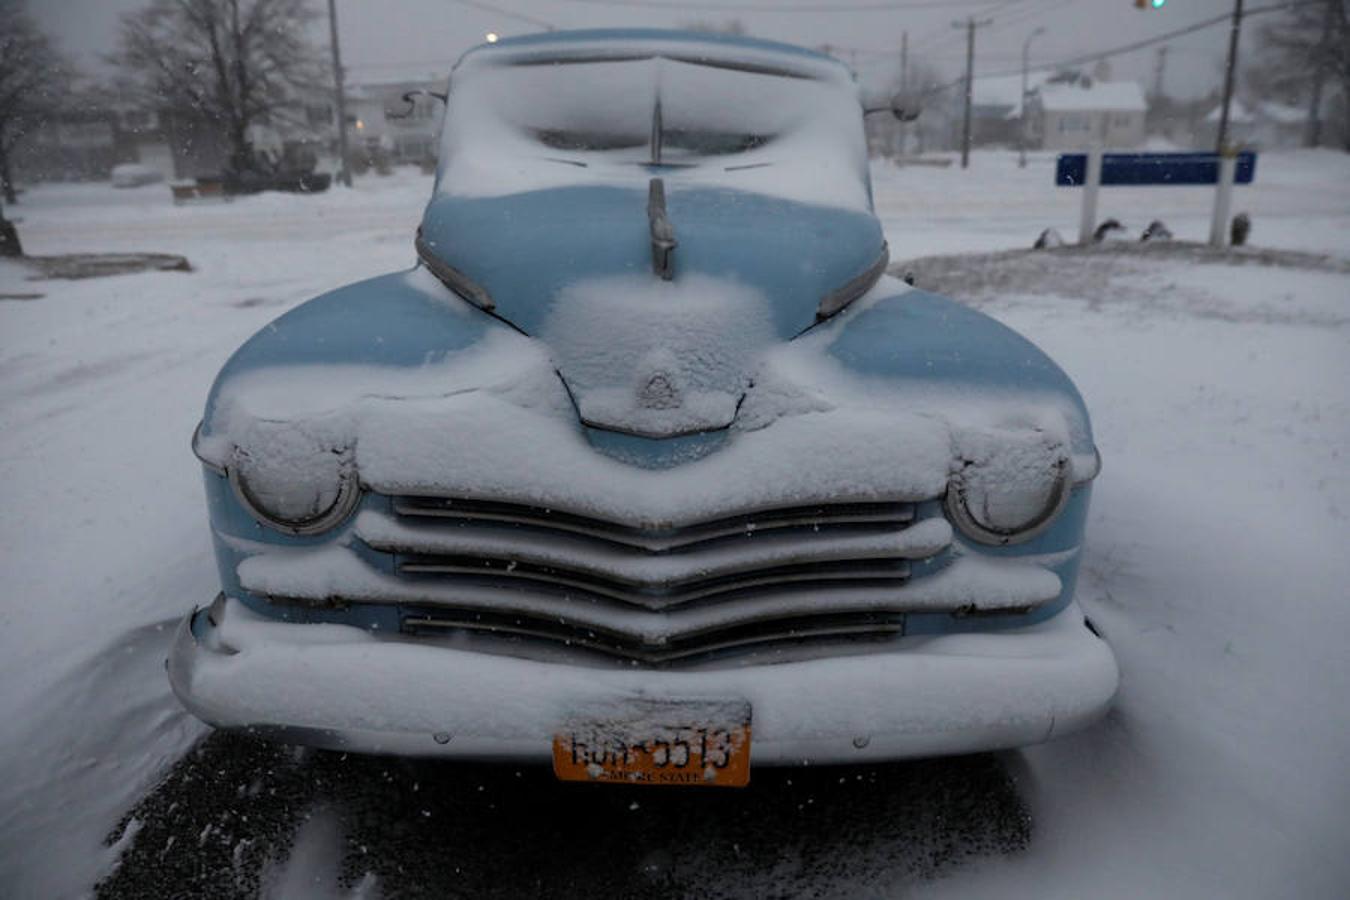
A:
x: 661, y: 595
x: 658, y: 536
x: 652, y: 591
x: 753, y: 635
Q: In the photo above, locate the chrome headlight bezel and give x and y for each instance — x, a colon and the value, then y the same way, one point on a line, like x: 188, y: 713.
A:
x: 957, y: 504
x: 346, y: 497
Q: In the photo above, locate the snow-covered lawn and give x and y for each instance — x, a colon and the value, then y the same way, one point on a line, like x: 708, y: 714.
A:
x: 1217, y: 563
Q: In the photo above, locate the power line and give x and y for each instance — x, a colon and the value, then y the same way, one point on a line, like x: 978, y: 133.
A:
x: 1028, y: 14
x: 1189, y: 29
x: 868, y: 51
x: 1137, y: 45
x: 941, y: 36
x: 875, y: 6
x: 519, y: 17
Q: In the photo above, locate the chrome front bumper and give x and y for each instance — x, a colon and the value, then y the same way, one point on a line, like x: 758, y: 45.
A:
x: 342, y: 687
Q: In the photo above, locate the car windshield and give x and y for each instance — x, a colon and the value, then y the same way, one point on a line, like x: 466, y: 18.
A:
x: 516, y: 124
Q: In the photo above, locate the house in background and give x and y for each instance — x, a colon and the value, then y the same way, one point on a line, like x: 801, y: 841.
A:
x: 1084, y: 112
x: 84, y: 140
x: 70, y: 144
x: 141, y: 138
x: 382, y: 125
x: 996, y: 109
x: 1257, y: 124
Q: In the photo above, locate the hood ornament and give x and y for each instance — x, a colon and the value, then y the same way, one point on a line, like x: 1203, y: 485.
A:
x: 662, y: 232
x: 659, y: 392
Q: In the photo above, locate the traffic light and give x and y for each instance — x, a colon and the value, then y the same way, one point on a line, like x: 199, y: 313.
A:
x: 1149, y: 4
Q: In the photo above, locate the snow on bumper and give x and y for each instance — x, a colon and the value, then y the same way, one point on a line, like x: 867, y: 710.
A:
x: 342, y: 687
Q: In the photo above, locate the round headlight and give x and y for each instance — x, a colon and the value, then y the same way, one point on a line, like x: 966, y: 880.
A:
x: 1009, y: 498
x: 294, y: 484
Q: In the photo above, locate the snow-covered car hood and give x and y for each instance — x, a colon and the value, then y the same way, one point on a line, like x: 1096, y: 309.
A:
x: 659, y: 208
x: 643, y: 355
x: 884, y: 401
x: 656, y: 248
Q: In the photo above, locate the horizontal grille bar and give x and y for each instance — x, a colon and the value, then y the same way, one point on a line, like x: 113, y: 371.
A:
x: 658, y: 536
x: 862, y: 572
x: 804, y: 628
x: 573, y: 617
x: 654, y: 591
x: 527, y: 556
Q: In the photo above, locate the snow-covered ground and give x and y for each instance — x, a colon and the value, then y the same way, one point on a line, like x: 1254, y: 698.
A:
x: 1217, y: 563
x: 1298, y: 201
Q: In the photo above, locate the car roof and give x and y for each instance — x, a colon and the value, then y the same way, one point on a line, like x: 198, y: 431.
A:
x: 754, y: 54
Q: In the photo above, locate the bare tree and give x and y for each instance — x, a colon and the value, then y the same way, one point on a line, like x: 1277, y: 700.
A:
x: 1306, y: 51
x: 33, y: 78
x: 226, y: 63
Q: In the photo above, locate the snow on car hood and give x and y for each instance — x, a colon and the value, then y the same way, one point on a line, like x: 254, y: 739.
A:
x: 489, y: 418
x: 643, y: 355
x: 525, y: 253
x: 658, y: 358
x: 560, y: 152
x: 657, y: 207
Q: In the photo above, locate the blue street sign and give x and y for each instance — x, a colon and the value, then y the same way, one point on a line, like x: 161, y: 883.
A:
x: 1153, y: 168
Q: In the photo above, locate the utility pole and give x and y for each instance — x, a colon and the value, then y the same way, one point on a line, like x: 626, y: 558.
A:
x: 1158, y: 69
x: 1022, y: 107
x: 969, y: 25
x: 344, y: 170
x: 904, y: 62
x: 1230, y: 70
x: 904, y: 86
x: 1314, y: 136
x: 9, y: 236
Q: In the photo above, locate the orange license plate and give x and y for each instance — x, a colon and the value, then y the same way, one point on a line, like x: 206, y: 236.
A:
x: 697, y: 743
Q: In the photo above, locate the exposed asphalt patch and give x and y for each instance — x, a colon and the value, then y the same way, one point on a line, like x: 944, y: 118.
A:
x: 225, y: 820
x: 98, y: 265
x: 1126, y: 274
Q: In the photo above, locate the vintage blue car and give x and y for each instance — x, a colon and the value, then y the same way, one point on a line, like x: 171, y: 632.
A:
x: 646, y: 467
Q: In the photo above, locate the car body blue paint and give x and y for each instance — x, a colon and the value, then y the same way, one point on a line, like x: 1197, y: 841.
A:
x: 920, y: 337
x: 911, y: 338
x: 655, y: 453
x: 383, y: 321
x: 794, y: 253
x: 524, y: 248
x: 553, y: 39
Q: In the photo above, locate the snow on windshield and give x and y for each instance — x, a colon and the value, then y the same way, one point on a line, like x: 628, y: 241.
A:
x: 515, y: 125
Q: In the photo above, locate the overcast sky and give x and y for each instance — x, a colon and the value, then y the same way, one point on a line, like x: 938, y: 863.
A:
x: 393, y: 38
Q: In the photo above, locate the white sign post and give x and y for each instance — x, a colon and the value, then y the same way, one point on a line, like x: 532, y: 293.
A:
x: 1223, y: 199
x: 1091, y: 170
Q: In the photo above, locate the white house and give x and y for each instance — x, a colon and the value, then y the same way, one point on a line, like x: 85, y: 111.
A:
x: 996, y: 107
x: 1079, y: 115
x: 1257, y: 124
x: 378, y: 117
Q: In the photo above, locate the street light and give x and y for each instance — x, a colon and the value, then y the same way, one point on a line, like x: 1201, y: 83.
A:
x: 1022, y: 117
x: 492, y: 37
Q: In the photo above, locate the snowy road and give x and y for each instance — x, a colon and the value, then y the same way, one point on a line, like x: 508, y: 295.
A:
x: 434, y: 830
x: 1216, y: 567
